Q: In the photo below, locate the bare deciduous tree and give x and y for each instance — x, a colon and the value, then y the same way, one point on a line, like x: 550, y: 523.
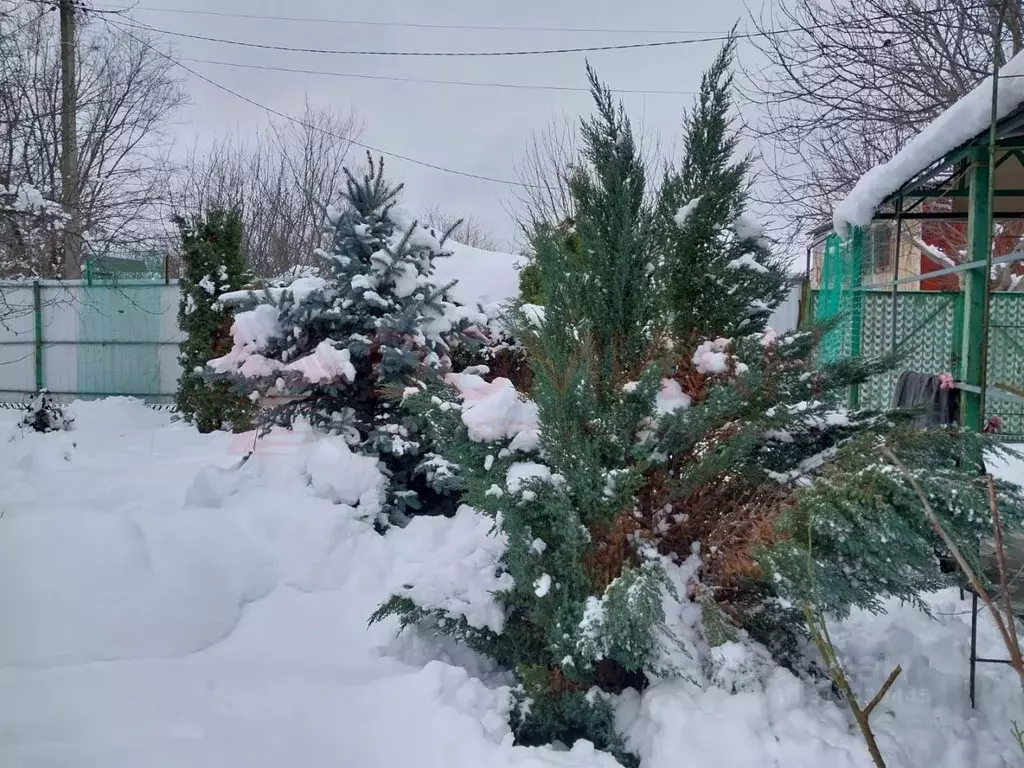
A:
x: 281, y: 181
x: 546, y: 168
x: 126, y: 94
x: 544, y: 172
x: 845, y: 85
x: 467, y: 230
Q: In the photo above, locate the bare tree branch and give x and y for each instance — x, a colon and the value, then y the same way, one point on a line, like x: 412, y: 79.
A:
x: 467, y: 230
x: 847, y: 84
x: 126, y: 96
x: 282, y: 182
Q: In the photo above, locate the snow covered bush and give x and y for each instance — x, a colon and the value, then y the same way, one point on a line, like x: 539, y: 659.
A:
x: 213, y: 264
x: 789, y: 495
x: 45, y: 414
x: 340, y: 349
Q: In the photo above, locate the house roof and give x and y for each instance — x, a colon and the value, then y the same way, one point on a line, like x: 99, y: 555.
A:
x: 964, y: 122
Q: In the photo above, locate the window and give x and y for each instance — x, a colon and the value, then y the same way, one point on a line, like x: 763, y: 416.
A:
x: 880, y: 247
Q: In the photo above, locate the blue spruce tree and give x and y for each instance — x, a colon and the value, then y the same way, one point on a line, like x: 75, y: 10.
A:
x: 340, y: 350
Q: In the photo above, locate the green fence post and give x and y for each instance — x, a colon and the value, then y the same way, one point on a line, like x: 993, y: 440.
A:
x: 979, y: 231
x: 955, y: 353
x: 37, y: 307
x: 854, y: 266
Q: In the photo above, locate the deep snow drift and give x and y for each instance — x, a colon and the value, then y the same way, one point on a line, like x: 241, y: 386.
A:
x: 160, y: 607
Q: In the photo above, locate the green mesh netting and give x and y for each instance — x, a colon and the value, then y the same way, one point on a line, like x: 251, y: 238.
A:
x: 837, y: 294
x: 927, y: 326
x: 1006, y: 360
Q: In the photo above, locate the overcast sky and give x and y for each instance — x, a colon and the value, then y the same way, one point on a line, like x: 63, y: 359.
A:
x: 476, y: 130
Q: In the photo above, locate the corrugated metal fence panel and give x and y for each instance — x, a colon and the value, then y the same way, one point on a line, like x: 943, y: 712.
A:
x: 17, y: 340
x: 118, y: 337
x: 1006, y: 358
x: 108, y: 338
x: 60, y: 305
x: 924, y: 337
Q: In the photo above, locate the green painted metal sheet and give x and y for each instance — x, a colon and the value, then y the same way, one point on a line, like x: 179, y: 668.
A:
x: 109, y: 316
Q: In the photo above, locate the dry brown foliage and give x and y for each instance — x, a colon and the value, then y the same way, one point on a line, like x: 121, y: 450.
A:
x: 613, y: 549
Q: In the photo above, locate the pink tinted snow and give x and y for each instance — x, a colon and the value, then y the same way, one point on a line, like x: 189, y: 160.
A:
x: 326, y: 363
x: 670, y: 397
x: 251, y: 331
x: 711, y: 356
x: 493, y: 410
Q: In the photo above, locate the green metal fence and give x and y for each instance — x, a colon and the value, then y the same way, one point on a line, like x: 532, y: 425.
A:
x: 119, y: 339
x: 89, y: 340
x: 928, y: 339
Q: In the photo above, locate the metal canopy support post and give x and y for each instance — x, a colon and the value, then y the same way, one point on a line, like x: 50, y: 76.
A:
x: 859, y: 240
x: 979, y: 229
x: 896, y: 274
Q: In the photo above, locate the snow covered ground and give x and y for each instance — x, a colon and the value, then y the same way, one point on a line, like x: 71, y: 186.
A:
x: 160, y: 609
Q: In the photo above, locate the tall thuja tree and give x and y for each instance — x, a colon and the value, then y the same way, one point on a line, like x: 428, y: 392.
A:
x: 344, y: 347
x: 213, y: 264
x: 603, y: 325
x: 720, y: 276
x: 584, y: 605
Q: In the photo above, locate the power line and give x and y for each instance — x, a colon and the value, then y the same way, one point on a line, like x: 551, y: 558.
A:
x: 517, y: 86
x: 537, y: 52
x: 445, y: 54
x: 414, y: 25
x: 311, y: 126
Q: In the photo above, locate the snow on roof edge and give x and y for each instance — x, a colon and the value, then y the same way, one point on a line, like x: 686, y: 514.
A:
x: 960, y: 123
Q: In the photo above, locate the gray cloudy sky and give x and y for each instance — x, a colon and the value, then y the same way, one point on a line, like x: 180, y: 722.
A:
x: 477, y: 130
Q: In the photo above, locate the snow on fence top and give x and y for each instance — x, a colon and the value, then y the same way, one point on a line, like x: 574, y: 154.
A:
x: 961, y: 122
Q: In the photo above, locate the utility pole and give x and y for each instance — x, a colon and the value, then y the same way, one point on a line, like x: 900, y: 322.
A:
x: 69, y: 142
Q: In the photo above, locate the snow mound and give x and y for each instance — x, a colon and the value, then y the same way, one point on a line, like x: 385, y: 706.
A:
x: 495, y: 411
x: 96, y: 586
x: 211, y: 486
x: 452, y: 567
x: 344, y: 477
x: 117, y: 413
x: 235, y: 634
x: 484, y: 277
x: 782, y: 725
